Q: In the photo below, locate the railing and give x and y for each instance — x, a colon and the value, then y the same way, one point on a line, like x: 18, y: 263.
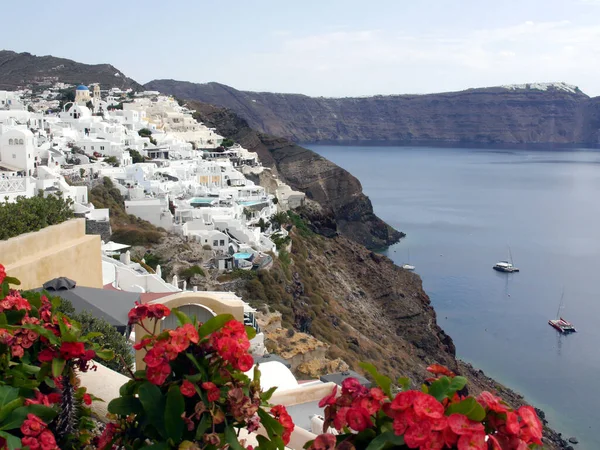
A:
x: 12, y: 185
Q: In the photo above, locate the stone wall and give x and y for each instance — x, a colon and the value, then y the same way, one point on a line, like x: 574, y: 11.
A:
x: 101, y: 228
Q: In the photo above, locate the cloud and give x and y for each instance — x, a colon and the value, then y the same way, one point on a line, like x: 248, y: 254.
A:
x: 376, y: 61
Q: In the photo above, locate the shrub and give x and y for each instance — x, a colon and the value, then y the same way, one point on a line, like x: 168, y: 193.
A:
x: 191, y: 271
x: 227, y: 143
x: 109, y: 337
x: 32, y: 214
x: 136, y: 237
x: 112, y: 160
x: 243, y: 274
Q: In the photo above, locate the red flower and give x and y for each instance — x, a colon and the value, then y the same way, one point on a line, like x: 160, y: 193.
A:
x: 427, y: 406
x: 403, y: 400
x: 32, y: 426
x: 47, y: 440
x: 87, y: 399
x: 370, y: 404
x: 403, y: 420
x: 377, y: 394
x: 137, y: 313
x: 512, y: 423
x: 330, y: 399
x: 339, y: 421
x: 191, y: 332
x: 533, y: 425
x: 245, y: 362
x: 281, y: 414
x: 324, y: 442
x: 158, y: 311
x: 491, y: 402
x: 475, y: 441
x: 143, y: 343
x: 32, y: 442
x: 156, y: 357
x: 435, y: 441
x: 54, y: 398
x: 107, y: 436
x: 2, y: 273
x: 438, y: 369
x: 417, y: 434
x: 158, y: 375
x: 353, y: 387
x: 213, y: 392
x: 358, y: 419
x: 187, y: 388
x: 463, y: 425
x: 70, y: 350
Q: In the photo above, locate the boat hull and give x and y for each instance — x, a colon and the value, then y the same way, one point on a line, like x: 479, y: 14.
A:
x: 561, y: 326
x: 505, y: 269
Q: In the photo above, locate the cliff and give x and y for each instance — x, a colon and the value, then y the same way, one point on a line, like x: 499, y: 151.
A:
x: 22, y: 69
x: 537, y: 113
x: 343, y: 206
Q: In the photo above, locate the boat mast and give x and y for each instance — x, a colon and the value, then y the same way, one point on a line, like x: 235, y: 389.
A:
x: 560, y: 305
x: 510, y: 255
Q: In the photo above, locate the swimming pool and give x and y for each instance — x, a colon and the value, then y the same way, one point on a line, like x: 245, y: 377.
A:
x: 242, y: 255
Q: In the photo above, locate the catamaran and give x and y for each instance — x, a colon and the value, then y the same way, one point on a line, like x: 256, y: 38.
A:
x: 505, y: 266
x: 559, y: 323
x: 408, y: 266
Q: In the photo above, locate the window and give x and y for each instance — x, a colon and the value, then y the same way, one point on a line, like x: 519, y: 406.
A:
x: 92, y: 147
x: 10, y: 142
x: 20, y: 141
x: 222, y: 243
x: 102, y: 147
x: 14, y: 156
x: 215, y: 243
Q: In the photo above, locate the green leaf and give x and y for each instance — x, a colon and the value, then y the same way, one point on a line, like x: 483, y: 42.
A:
x: 58, y: 365
x: 13, y: 442
x: 157, y: 446
x: 389, y: 437
x: 468, y: 407
x: 175, y: 407
x: 273, y: 427
x: 10, y: 407
x: 213, y: 324
x: 14, y: 317
x: 153, y: 403
x: 232, y: 440
x: 125, y: 405
x: 128, y: 388
x: 16, y: 417
x: 202, y: 426
x: 7, y: 395
x: 12, y: 280
x: 273, y: 444
x: 439, y: 388
x: 105, y: 354
x: 404, y: 383
x: 266, y: 396
x: 251, y: 332
x: 182, y: 318
x: 457, y: 384
x: 93, y: 335
x: 27, y: 369
x: 385, y: 383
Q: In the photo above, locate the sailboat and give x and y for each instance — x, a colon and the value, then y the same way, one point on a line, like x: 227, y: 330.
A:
x: 559, y: 323
x: 408, y: 266
x: 505, y: 266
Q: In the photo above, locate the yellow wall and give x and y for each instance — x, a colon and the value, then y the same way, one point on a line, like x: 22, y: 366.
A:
x: 62, y: 250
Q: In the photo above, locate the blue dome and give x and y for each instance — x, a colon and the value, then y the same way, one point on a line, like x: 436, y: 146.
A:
x: 81, y: 87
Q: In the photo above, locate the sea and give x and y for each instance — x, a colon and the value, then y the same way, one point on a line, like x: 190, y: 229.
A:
x: 462, y: 209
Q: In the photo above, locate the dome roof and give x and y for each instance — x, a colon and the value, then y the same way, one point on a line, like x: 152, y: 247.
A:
x: 81, y: 87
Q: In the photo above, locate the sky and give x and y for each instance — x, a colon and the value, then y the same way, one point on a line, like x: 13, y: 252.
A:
x: 332, y: 48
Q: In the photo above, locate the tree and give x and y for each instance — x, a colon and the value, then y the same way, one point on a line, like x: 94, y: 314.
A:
x: 136, y: 156
x: 112, y: 160
x: 227, y: 143
x: 81, y: 172
x: 145, y: 132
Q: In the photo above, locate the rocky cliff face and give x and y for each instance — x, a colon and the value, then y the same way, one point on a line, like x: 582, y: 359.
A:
x: 552, y: 114
x: 344, y: 207
x: 21, y: 69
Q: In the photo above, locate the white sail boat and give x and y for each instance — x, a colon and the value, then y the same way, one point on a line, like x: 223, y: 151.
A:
x: 506, y: 266
x: 408, y: 266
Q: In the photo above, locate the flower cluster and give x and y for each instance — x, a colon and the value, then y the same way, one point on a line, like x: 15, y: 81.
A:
x: 435, y: 418
x: 40, y: 353
x: 282, y: 416
x: 36, y: 435
x: 197, y: 373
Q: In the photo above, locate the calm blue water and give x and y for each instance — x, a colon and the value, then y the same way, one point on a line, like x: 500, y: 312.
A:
x: 460, y: 209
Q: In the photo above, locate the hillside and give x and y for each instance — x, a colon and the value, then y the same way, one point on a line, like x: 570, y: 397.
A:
x: 20, y: 69
x: 543, y: 113
x: 343, y: 206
